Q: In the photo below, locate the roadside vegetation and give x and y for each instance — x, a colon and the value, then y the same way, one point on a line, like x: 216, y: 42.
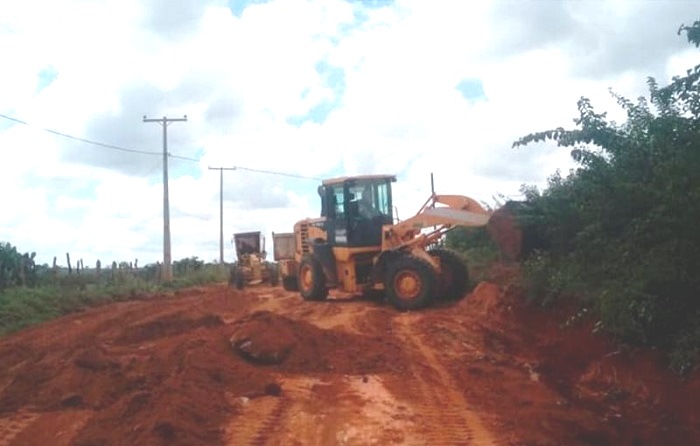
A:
x: 620, y: 232
x: 477, y: 248
x: 31, y: 293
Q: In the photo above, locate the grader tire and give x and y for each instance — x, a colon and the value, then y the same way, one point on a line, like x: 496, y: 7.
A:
x: 274, y: 275
x: 236, y: 278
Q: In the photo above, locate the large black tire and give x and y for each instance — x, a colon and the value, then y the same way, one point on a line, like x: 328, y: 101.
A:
x: 410, y: 283
x: 312, y: 280
x: 274, y: 274
x: 236, y: 278
x: 290, y: 283
x: 454, y: 276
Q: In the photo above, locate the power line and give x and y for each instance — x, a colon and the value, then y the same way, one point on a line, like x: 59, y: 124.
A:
x: 271, y: 172
x: 144, y: 152
x: 88, y: 141
x: 250, y: 169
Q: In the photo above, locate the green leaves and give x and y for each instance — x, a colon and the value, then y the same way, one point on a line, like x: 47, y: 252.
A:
x: 693, y: 32
x: 15, y: 268
x: 622, y: 228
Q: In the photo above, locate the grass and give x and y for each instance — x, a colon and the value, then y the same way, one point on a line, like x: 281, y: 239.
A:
x: 21, y: 307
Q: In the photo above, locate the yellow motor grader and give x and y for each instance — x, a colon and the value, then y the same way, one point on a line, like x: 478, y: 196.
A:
x: 251, y: 268
x: 356, y: 246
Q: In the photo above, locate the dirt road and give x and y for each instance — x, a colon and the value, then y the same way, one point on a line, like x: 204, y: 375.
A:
x: 219, y: 366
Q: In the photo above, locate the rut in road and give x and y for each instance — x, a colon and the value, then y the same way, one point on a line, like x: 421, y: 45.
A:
x: 15, y: 425
x: 447, y: 418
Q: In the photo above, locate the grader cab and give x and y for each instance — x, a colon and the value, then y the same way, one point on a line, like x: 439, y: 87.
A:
x: 252, y: 268
x: 356, y: 246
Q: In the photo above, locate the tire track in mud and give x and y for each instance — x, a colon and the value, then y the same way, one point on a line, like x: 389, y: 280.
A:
x: 448, y: 419
x: 270, y: 425
x: 14, y: 425
x: 258, y: 422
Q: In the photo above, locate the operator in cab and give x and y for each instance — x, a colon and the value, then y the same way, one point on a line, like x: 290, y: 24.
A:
x: 366, y: 205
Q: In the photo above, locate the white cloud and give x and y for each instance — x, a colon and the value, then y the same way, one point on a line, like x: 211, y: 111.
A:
x: 242, y: 79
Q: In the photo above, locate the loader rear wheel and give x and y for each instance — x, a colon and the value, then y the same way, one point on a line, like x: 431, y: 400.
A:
x: 312, y: 281
x: 410, y: 283
x: 454, y: 276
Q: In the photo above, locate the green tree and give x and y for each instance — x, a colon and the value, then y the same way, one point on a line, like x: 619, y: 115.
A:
x: 621, y: 229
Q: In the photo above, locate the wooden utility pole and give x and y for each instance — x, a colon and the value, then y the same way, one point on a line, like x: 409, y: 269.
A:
x: 221, y: 210
x: 167, y: 257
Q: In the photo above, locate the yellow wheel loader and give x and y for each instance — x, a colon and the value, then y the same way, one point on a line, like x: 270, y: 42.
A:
x: 356, y: 246
x: 251, y: 268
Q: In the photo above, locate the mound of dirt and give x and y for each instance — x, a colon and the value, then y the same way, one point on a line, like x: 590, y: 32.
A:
x: 169, y: 325
x: 263, y: 338
x: 504, y: 230
x: 151, y: 372
x: 296, y: 346
x: 485, y: 300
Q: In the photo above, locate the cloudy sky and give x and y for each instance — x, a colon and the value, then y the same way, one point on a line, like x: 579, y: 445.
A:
x: 307, y: 88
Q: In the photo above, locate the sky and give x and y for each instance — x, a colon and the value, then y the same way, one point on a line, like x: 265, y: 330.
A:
x: 290, y: 92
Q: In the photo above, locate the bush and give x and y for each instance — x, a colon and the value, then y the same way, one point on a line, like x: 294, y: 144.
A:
x: 621, y: 229
x: 477, y: 248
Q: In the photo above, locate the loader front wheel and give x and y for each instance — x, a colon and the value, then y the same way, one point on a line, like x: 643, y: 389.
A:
x: 312, y: 281
x: 410, y: 283
x: 454, y: 276
x: 290, y: 283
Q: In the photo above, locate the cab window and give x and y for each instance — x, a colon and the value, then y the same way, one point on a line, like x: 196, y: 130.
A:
x: 381, y: 199
x: 338, y: 198
x: 378, y: 198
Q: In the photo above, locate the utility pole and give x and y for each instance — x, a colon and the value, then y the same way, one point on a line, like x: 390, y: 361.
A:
x: 221, y: 210
x: 167, y: 274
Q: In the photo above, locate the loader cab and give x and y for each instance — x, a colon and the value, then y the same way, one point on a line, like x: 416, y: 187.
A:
x: 356, y: 208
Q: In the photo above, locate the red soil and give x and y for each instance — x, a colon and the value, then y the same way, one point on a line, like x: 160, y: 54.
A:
x: 187, y: 369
